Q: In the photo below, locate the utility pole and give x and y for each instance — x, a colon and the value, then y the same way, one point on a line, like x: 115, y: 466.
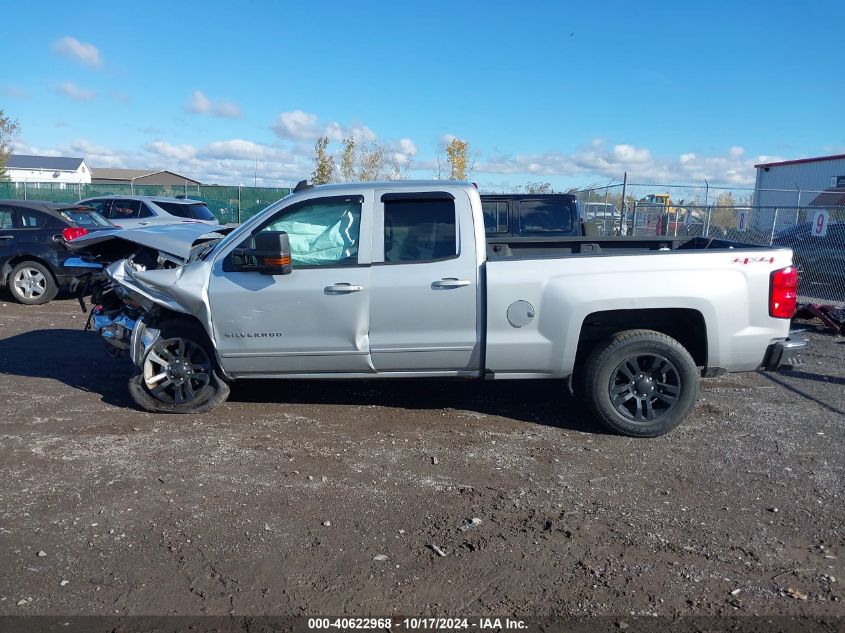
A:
x: 622, y: 212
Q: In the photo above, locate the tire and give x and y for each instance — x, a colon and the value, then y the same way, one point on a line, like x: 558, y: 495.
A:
x: 179, y: 373
x: 642, y: 383
x: 32, y: 283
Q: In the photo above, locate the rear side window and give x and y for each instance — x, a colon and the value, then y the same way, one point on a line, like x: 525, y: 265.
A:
x: 193, y: 211
x: 5, y: 218
x: 100, y: 206
x: 495, y: 216
x: 87, y: 219
x: 544, y: 216
x: 419, y: 230
x: 125, y: 209
x: 32, y: 219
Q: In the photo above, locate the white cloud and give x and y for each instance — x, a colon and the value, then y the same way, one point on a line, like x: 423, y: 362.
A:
x: 175, y: 152
x: 200, y: 104
x: 228, y: 110
x: 596, y: 159
x: 361, y: 134
x: 239, y: 149
x: 21, y: 147
x: 233, y: 161
x: 296, y: 126
x: 94, y: 154
x: 305, y: 127
x: 228, y: 162
x: 631, y: 154
x: 407, y: 147
x: 445, y: 139
x: 234, y: 149
x: 72, y: 91
x: 80, y: 51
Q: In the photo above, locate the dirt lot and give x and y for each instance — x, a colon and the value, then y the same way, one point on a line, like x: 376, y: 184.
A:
x: 280, y: 501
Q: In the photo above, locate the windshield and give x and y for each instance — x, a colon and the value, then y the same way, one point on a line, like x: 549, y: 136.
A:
x: 191, y: 210
x: 84, y: 218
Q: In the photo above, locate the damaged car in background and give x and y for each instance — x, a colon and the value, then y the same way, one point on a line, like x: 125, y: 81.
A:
x: 399, y: 280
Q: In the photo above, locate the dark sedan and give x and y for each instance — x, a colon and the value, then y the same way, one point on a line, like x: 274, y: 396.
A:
x: 820, y: 260
x: 32, y: 255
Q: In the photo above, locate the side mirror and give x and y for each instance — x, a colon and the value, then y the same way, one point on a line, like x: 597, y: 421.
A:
x: 269, y: 254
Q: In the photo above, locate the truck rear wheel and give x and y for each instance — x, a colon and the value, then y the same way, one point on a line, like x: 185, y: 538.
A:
x: 642, y: 383
x: 178, y: 373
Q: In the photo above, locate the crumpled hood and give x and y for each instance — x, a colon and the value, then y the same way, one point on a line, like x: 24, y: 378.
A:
x: 173, y: 239
x: 181, y: 289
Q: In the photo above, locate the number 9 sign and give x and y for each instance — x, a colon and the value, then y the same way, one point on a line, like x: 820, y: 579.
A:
x: 820, y: 218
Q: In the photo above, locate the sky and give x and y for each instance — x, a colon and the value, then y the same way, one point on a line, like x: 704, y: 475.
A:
x: 572, y: 94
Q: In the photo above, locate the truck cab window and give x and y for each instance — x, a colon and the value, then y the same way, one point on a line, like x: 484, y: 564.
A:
x: 541, y: 216
x: 321, y: 234
x: 419, y: 230
x: 495, y: 216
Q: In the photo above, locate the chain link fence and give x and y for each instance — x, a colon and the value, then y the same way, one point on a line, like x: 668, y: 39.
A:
x: 228, y: 204
x: 815, y: 234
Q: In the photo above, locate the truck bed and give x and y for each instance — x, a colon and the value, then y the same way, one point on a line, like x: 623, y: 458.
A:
x: 499, y: 248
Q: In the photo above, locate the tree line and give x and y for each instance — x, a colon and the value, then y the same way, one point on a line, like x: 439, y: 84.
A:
x: 376, y: 161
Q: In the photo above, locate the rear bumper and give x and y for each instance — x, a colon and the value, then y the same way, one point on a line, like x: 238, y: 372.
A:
x: 71, y: 276
x: 785, y: 354
x: 75, y: 269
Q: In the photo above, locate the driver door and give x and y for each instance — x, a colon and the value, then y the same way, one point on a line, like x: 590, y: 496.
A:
x: 315, y: 319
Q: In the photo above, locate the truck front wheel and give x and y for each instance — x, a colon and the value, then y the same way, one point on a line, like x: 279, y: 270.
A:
x: 178, y: 374
x: 642, y: 383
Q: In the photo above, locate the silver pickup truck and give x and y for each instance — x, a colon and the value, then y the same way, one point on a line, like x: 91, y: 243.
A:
x: 398, y: 280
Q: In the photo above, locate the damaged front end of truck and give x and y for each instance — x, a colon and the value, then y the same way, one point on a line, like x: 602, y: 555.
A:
x: 149, y: 276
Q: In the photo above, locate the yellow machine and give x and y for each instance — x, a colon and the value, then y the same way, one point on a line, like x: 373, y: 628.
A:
x: 668, y: 223
x: 658, y: 198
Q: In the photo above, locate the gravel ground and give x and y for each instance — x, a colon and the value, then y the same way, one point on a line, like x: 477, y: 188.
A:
x: 421, y: 498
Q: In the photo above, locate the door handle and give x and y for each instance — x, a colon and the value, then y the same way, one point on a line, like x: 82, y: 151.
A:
x: 342, y: 289
x: 450, y: 282
x: 7, y: 237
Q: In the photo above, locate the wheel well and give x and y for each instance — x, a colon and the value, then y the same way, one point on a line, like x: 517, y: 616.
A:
x: 685, y: 325
x: 14, y: 261
x: 164, y: 314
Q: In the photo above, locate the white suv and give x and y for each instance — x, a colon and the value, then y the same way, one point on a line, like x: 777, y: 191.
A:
x: 132, y: 212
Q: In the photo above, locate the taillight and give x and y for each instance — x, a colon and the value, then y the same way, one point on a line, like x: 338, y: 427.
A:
x: 783, y: 293
x: 72, y: 232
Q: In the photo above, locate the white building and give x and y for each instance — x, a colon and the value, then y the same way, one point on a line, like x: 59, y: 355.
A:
x: 47, y: 169
x: 798, y: 183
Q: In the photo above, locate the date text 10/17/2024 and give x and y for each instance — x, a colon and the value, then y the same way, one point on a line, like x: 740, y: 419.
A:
x: 431, y: 624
